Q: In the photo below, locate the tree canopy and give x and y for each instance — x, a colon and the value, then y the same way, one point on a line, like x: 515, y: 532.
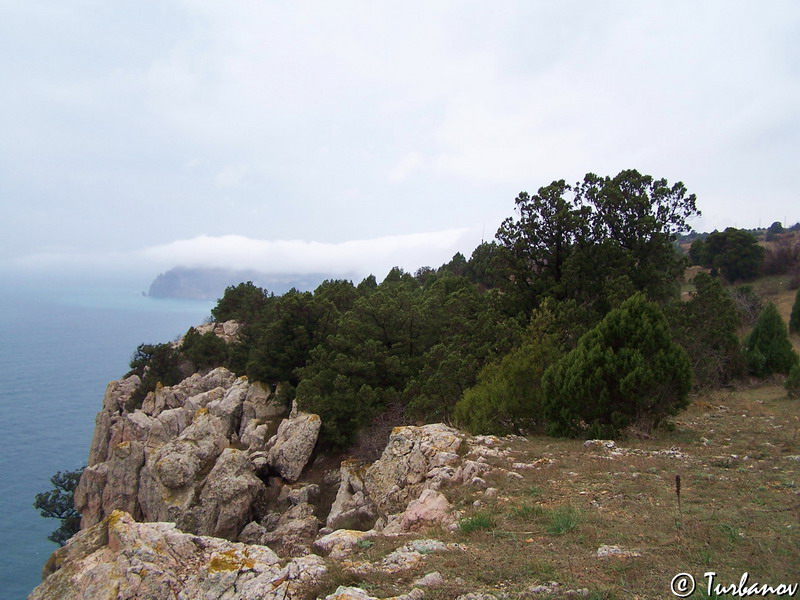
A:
x: 734, y: 253
x: 598, y: 240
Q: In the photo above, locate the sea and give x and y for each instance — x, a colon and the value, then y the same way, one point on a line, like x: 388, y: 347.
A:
x: 59, y: 348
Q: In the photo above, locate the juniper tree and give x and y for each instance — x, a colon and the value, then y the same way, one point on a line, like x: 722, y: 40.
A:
x: 767, y: 348
x: 794, y: 319
x: 625, y: 371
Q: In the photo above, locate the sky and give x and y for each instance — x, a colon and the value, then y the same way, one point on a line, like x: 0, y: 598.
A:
x: 357, y: 135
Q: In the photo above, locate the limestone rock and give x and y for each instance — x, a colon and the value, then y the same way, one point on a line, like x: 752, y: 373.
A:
x: 89, y: 494
x: 121, y: 559
x: 352, y: 508
x: 229, y: 495
x: 434, y: 579
x: 98, y: 451
x: 298, y: 494
x: 430, y: 509
x: 292, y: 445
x: 260, y: 407
x: 119, y: 392
x: 295, y: 531
x: 617, y: 552
x: 354, y: 593
x: 400, y: 474
x: 340, y: 543
x: 229, y: 407
x: 169, y: 481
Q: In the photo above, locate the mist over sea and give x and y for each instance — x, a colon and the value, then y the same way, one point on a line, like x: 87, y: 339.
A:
x: 59, y: 347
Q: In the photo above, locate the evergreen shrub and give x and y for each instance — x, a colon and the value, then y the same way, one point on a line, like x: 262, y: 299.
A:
x: 767, y: 348
x: 626, y: 371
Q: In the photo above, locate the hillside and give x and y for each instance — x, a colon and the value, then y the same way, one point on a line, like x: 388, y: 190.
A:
x: 302, y: 444
x: 540, y: 516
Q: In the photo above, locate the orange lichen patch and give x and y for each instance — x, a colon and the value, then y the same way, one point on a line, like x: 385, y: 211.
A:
x: 230, y: 560
x: 201, y: 411
x: 115, y: 517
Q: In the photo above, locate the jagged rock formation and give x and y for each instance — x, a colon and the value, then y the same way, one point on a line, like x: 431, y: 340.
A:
x: 213, y: 469
x: 181, y: 457
x: 120, y: 558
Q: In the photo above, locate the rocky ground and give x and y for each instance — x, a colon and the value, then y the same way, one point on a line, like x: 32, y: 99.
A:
x: 213, y: 490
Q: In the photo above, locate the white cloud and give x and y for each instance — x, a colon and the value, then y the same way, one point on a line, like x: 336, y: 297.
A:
x: 360, y: 257
x: 231, y: 176
x: 353, y: 259
x: 405, y: 167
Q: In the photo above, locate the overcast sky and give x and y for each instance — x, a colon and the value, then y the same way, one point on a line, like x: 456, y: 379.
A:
x: 137, y: 136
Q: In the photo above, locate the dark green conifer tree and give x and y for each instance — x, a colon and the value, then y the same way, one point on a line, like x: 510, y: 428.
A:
x: 767, y: 348
x: 625, y: 371
x: 794, y: 319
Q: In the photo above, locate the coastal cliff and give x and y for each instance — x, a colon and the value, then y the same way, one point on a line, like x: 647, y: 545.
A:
x: 214, y: 488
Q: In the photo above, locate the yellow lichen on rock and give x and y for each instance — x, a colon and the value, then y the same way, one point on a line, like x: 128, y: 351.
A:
x: 230, y: 560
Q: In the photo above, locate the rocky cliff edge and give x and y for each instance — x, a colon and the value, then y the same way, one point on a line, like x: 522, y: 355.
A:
x: 206, y: 491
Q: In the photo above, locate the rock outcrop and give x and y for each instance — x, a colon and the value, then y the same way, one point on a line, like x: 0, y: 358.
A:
x: 120, y: 558
x: 189, y: 455
x: 201, y: 490
x: 414, y: 459
x: 292, y: 445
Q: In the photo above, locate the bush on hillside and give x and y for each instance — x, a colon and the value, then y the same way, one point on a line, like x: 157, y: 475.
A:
x: 705, y: 327
x: 243, y: 302
x: 794, y: 318
x: 735, y: 253
x: 508, y: 396
x: 748, y: 304
x: 154, y: 363
x: 625, y: 372
x: 767, y: 348
x: 205, y: 351
x: 793, y: 382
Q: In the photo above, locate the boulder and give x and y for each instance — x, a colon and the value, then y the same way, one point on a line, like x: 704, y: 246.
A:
x: 261, y: 406
x: 292, y: 445
x: 399, y: 475
x: 354, y: 593
x: 229, y: 495
x: 340, y: 543
x: 120, y: 558
x: 430, y: 509
x: 89, y: 494
x: 119, y: 392
x: 299, y: 493
x: 229, y: 407
x: 352, y: 508
x: 295, y: 531
x: 169, y: 482
x: 98, y: 450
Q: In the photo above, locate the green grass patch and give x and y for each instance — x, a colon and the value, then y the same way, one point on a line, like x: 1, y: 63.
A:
x: 527, y: 512
x: 480, y: 521
x: 563, y: 520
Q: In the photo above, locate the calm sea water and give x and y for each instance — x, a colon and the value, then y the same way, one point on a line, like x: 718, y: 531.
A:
x: 58, y: 350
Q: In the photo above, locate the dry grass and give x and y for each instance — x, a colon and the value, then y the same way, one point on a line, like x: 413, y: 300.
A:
x: 740, y: 509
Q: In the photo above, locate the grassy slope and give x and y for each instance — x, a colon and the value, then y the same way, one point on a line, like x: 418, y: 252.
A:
x: 740, y: 509
x: 740, y: 505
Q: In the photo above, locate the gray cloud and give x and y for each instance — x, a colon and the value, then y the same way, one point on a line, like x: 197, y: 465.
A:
x: 355, y: 258
x: 135, y: 126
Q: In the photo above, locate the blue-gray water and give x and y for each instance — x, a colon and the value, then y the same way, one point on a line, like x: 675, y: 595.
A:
x: 58, y: 350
